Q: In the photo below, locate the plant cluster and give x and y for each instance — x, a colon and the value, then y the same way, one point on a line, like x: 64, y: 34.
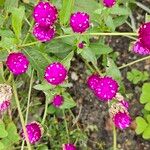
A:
x: 38, y: 42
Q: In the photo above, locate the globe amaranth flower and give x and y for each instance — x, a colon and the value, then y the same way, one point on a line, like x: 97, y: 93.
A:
x: 69, y: 147
x: 142, y: 45
x: 34, y: 132
x: 5, y: 96
x: 125, y: 103
x: 57, y: 101
x: 109, y: 3
x: 55, y: 73
x: 79, y: 22
x: 106, y: 88
x: 93, y: 81
x: 45, y: 14
x: 44, y: 34
x: 120, y: 115
x: 81, y: 45
x: 17, y: 63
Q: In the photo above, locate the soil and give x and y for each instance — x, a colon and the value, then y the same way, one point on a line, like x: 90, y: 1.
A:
x: 95, y: 113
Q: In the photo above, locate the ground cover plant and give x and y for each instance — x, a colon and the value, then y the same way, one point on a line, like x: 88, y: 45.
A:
x: 43, y: 45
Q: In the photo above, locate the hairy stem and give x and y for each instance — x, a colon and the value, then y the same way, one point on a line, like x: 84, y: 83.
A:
x: 134, y: 62
x: 20, y: 115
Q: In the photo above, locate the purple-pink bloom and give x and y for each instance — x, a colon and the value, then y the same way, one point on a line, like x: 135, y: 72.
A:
x: 43, y: 34
x: 69, y: 147
x: 81, y: 45
x: 55, y: 73
x: 4, y: 105
x: 45, y: 14
x: 79, y: 22
x: 34, y: 132
x: 124, y: 103
x: 17, y: 63
x: 109, y: 3
x: 122, y: 120
x: 57, y: 101
x: 93, y: 81
x: 106, y: 89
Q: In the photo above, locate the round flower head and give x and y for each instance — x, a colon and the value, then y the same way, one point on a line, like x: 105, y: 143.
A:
x: 122, y: 120
x: 106, y: 89
x: 34, y: 131
x: 5, y: 96
x: 139, y: 48
x: 109, y: 3
x: 43, y: 34
x: 57, y: 100
x: 81, y: 45
x: 17, y: 63
x: 79, y: 22
x: 93, y: 81
x: 45, y: 14
x: 69, y: 147
x: 55, y: 73
x: 144, y: 35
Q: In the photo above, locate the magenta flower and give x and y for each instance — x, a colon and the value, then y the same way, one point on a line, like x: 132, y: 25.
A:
x: 45, y: 14
x: 81, y: 45
x: 122, y: 120
x: 34, y: 131
x: 5, y: 96
x: 106, y: 89
x: 79, y: 22
x: 17, y: 63
x: 69, y: 147
x: 124, y: 103
x: 55, y: 73
x: 43, y: 34
x: 57, y: 101
x: 93, y: 81
x: 109, y: 3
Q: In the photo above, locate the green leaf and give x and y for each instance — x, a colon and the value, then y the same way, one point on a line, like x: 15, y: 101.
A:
x: 146, y: 134
x: 3, y: 55
x: 67, y: 60
x: 100, y: 49
x: 110, y: 24
x: 141, y: 125
x: 51, y: 109
x: 38, y: 60
x: 145, y: 96
x: 43, y: 87
x: 65, y: 11
x: 147, y: 106
x: 17, y: 18
x: 3, y: 132
x: 148, y: 118
x: 57, y: 46
x: 119, y: 20
x: 12, y: 133
x: 88, y: 55
x: 68, y: 101
x: 112, y: 70
x: 10, y: 5
x: 1, y: 145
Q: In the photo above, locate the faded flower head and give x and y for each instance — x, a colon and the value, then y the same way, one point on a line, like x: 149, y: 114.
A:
x: 55, y: 73
x: 69, y: 147
x: 45, y: 14
x: 34, y: 131
x: 17, y: 63
x: 57, y: 101
x: 79, y: 22
x: 106, y: 89
x: 5, y: 96
x: 43, y: 34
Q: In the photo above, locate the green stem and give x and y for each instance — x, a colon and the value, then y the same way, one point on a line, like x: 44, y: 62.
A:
x: 97, y: 69
x: 143, y: 7
x: 134, y: 62
x: 66, y: 126
x: 45, y: 111
x: 114, y: 138
x: 127, y: 34
x: 20, y: 115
